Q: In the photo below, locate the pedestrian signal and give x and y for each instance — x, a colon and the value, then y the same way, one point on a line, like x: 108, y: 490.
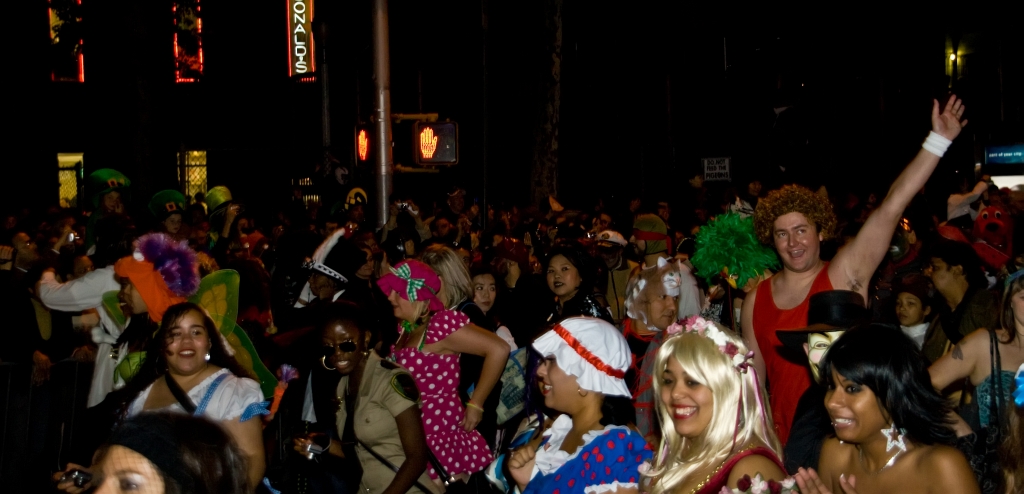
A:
x: 436, y: 143
x: 364, y: 151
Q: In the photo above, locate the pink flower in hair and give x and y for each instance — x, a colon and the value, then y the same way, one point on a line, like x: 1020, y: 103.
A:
x: 674, y: 328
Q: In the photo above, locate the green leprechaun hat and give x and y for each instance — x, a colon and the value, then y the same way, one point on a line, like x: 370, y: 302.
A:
x: 166, y: 203
x: 106, y: 180
x: 217, y: 199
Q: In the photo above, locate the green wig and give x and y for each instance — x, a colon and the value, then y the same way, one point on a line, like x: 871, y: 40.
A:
x: 727, y: 246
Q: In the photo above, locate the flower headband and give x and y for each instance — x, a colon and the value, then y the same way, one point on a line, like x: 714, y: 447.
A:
x: 740, y: 361
x: 710, y: 330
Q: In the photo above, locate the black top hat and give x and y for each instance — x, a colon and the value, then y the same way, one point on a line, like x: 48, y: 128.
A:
x: 834, y: 310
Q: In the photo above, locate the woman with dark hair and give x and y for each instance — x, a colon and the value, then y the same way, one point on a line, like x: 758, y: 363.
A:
x: 572, y: 278
x: 379, y: 396
x: 164, y: 453
x: 892, y: 430
x: 972, y: 357
x: 581, y: 381
x: 189, y: 368
x: 988, y: 358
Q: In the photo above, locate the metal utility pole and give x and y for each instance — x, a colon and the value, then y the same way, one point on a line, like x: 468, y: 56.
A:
x: 325, y: 96
x: 382, y: 109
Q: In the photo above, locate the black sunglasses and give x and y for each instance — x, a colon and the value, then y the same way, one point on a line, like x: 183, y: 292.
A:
x: 344, y: 347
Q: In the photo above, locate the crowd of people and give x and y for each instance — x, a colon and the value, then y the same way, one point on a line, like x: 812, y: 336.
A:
x: 767, y: 342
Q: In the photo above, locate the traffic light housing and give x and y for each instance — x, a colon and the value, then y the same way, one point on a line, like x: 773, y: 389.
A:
x: 435, y: 143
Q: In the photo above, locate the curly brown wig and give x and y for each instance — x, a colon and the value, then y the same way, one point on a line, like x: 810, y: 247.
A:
x: 789, y: 199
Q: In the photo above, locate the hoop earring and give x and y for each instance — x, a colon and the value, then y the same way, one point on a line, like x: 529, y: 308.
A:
x: 323, y: 363
x: 582, y: 392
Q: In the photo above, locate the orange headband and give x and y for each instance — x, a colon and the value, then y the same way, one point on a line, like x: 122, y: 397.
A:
x: 150, y: 285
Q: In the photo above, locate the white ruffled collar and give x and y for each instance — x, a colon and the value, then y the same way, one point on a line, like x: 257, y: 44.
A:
x: 550, y: 457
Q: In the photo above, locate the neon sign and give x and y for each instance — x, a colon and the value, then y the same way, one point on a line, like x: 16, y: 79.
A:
x: 363, y: 145
x: 66, y: 32
x: 301, y: 59
x: 188, y: 41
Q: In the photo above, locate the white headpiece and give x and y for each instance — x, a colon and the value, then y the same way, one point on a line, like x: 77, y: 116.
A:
x: 592, y: 350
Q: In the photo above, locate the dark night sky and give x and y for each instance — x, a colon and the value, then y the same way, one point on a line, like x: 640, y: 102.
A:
x: 645, y: 93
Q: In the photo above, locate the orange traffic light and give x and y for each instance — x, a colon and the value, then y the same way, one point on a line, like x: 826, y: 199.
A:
x: 363, y: 145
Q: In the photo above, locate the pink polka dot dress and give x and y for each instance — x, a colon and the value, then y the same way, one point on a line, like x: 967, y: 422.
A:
x: 437, y: 377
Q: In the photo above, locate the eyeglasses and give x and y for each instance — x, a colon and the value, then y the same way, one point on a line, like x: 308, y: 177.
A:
x: 343, y: 347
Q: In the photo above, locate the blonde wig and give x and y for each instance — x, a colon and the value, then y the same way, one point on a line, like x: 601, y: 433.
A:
x: 456, y: 285
x: 740, y: 410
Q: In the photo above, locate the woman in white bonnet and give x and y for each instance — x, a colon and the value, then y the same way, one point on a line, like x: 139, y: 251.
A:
x: 585, y: 360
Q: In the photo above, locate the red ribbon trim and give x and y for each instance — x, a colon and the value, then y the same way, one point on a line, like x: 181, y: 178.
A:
x: 645, y: 235
x: 583, y: 352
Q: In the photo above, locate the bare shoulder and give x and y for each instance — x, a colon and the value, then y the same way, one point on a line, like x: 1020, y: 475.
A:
x: 755, y: 464
x: 977, y: 341
x: 835, y: 457
x: 946, y: 467
x: 940, y: 459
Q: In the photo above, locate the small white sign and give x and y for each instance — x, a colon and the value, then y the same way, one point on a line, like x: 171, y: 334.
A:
x: 716, y: 169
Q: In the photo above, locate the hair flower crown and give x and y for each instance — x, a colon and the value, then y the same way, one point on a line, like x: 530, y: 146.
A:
x: 712, y: 331
x: 759, y: 485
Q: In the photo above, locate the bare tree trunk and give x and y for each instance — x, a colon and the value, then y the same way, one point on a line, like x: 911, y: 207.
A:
x: 544, y: 172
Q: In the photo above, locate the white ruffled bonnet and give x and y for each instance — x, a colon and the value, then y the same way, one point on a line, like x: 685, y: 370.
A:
x: 592, y: 350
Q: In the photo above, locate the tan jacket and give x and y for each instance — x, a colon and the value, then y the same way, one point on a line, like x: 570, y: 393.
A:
x: 380, y: 401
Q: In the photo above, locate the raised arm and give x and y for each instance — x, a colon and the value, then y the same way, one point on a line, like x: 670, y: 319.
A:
x: 854, y: 265
x: 475, y: 340
x: 76, y: 295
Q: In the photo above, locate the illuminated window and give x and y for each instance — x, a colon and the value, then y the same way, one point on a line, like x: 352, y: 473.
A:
x: 192, y: 172
x: 69, y: 174
x: 67, y: 64
x: 188, y: 41
x: 301, y: 58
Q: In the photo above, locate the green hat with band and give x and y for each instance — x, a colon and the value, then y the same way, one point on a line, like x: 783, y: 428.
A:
x: 166, y: 203
x: 103, y: 181
x: 217, y: 199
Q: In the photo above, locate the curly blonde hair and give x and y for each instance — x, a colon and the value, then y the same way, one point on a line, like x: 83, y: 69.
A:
x: 790, y: 199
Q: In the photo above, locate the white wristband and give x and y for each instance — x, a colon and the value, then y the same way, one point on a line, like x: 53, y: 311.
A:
x: 936, y: 144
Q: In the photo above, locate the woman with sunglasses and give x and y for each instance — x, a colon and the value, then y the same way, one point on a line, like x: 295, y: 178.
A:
x: 372, y: 409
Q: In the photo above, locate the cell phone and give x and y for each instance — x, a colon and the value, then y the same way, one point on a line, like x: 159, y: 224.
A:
x: 79, y: 477
x: 313, y: 449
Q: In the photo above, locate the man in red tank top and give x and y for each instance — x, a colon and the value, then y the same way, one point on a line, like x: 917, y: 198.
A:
x: 796, y: 220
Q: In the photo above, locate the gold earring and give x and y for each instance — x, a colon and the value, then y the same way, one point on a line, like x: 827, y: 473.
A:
x: 582, y: 392
x: 323, y: 363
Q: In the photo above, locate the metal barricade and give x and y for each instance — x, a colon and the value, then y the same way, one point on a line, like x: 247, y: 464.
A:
x: 41, y: 426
